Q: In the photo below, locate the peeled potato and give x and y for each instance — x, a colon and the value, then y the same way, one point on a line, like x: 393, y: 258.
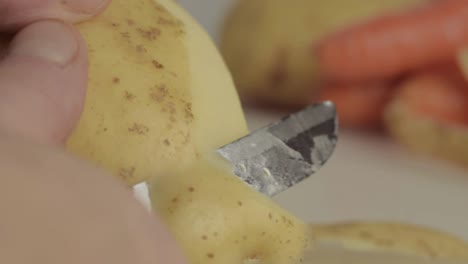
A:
x: 268, y: 44
x: 383, y: 243
x: 159, y: 94
x: 217, y: 218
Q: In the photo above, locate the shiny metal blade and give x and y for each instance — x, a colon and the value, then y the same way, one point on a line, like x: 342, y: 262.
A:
x: 276, y: 157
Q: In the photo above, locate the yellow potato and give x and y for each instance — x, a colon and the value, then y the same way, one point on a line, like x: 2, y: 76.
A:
x: 159, y: 98
x: 217, y: 218
x: 268, y: 44
x: 426, y: 136
x: 463, y: 59
x: 159, y: 93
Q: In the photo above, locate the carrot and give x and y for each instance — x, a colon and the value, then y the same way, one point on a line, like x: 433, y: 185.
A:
x: 359, y: 105
x: 438, y: 93
x: 395, y: 43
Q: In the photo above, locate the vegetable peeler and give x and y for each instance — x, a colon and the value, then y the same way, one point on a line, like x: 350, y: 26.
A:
x: 284, y: 153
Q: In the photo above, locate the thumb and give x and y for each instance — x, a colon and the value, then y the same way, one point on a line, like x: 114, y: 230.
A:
x: 43, y: 78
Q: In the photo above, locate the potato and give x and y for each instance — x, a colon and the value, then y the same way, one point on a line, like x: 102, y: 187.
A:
x: 383, y: 242
x: 159, y: 93
x: 426, y: 136
x: 463, y: 60
x: 267, y: 44
x: 218, y: 218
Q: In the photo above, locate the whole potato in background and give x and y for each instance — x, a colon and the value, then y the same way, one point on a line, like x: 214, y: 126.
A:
x: 267, y: 44
x: 463, y: 61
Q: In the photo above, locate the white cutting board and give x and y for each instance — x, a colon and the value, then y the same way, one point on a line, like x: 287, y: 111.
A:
x: 368, y: 177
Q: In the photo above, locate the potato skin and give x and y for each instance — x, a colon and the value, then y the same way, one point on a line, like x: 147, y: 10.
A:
x: 217, y: 218
x: 406, y: 239
x: 268, y: 44
x: 145, y: 108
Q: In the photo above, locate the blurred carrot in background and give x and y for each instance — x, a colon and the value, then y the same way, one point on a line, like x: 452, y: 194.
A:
x: 396, y: 43
x: 359, y: 105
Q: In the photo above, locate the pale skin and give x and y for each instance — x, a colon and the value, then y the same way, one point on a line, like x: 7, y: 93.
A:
x: 55, y: 208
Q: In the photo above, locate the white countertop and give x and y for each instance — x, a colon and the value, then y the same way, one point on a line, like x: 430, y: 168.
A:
x: 368, y: 177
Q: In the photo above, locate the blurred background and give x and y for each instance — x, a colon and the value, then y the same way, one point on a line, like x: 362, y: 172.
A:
x: 394, y: 70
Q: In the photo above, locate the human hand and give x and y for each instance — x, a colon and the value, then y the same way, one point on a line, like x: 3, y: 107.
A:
x: 55, y: 208
x: 43, y: 72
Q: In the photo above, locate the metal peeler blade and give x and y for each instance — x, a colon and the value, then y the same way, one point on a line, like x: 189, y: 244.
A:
x: 284, y: 153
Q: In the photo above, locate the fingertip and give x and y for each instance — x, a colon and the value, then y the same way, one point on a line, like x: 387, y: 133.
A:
x: 51, y: 41
x: 43, y: 81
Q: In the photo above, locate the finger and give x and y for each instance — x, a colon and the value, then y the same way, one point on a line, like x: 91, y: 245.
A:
x: 43, y: 78
x: 17, y: 13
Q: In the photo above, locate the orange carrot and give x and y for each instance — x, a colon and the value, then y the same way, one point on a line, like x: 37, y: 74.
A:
x: 396, y: 43
x: 441, y: 94
x: 358, y: 105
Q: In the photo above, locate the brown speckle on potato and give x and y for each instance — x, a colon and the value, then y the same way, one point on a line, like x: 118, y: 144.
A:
x: 141, y: 49
x: 116, y: 80
x: 125, y: 35
x: 210, y: 255
x: 157, y: 64
x: 130, y: 22
x: 138, y: 129
x: 171, y: 107
x: 191, y: 189
x: 129, y: 96
x: 158, y: 94
x: 150, y: 34
x: 115, y: 24
x: 175, y: 199
x: 127, y: 173
x: 167, y: 142
x: 180, y: 32
x: 204, y: 237
x: 188, y: 112
x: 239, y: 203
